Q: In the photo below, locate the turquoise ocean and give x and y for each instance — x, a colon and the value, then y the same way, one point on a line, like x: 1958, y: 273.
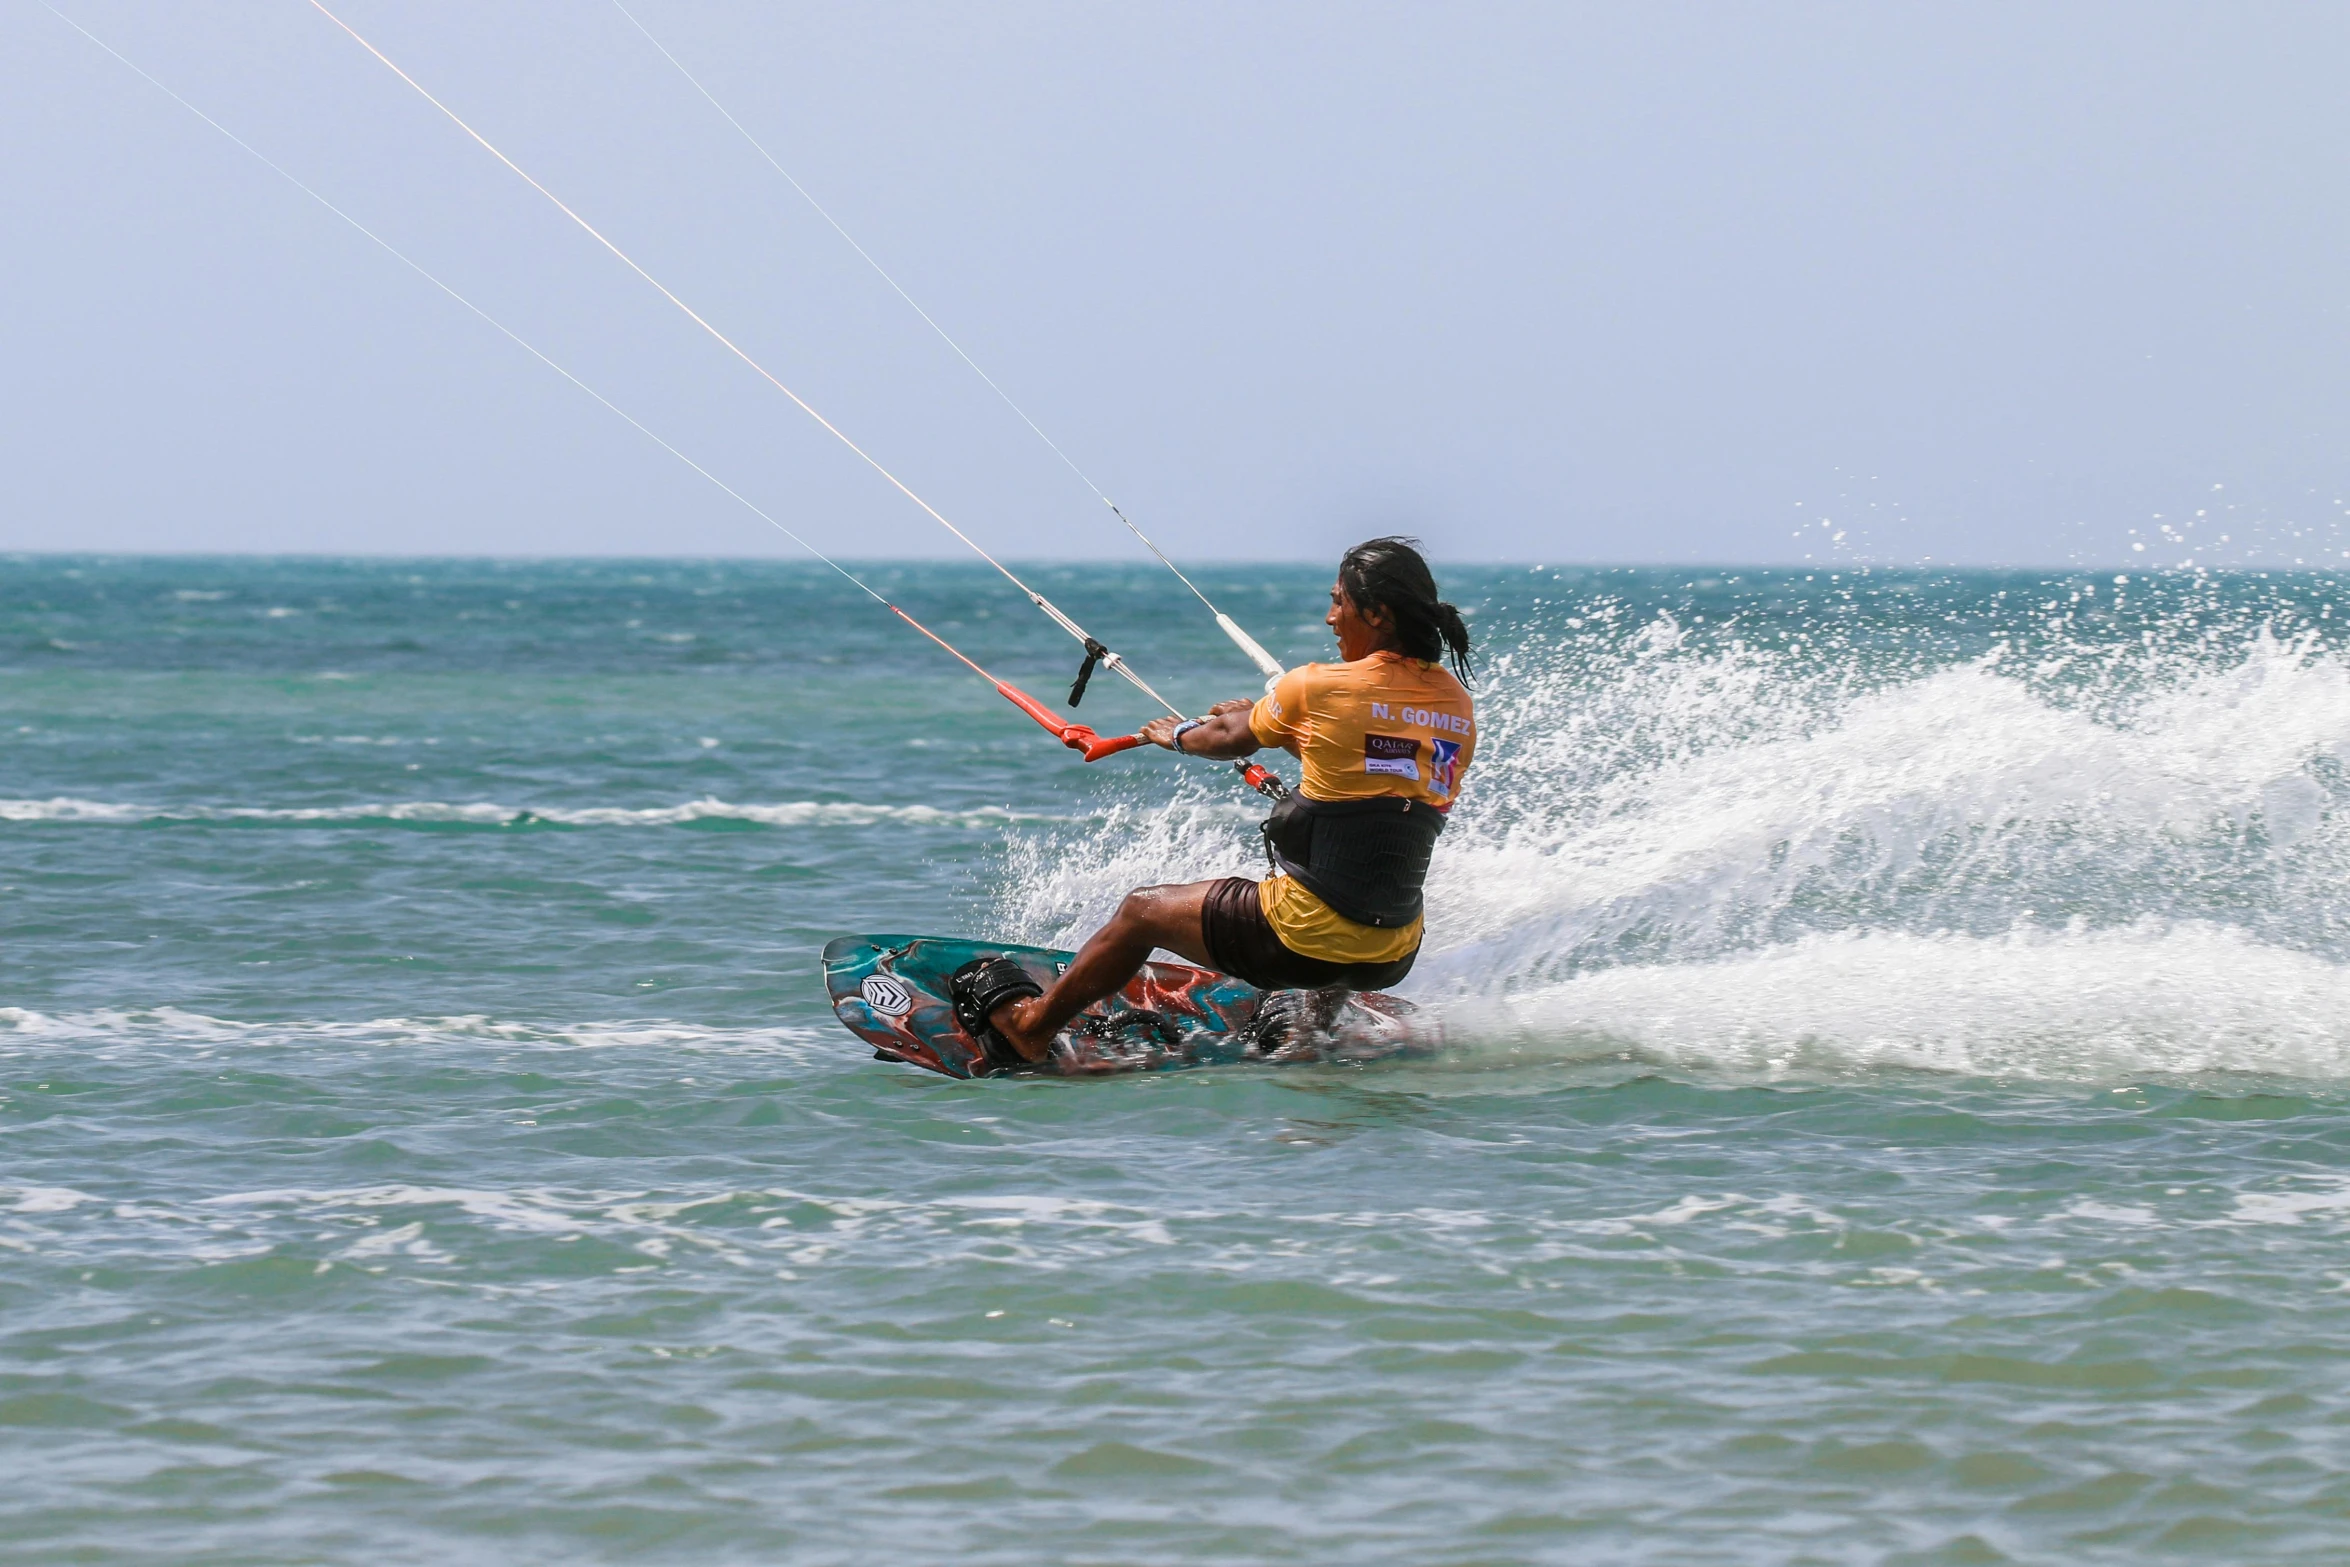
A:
x: 1896, y: 1106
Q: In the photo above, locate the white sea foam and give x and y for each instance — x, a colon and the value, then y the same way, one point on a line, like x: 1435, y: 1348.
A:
x: 2077, y: 1005
x: 789, y: 813
x: 2110, y: 862
x: 44, y: 1199
x: 98, y: 1030
x: 1740, y: 800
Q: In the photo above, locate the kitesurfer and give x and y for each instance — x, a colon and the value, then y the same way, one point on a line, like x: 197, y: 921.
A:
x: 1384, y: 737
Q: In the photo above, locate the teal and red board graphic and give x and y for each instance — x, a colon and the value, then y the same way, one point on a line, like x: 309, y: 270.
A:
x: 891, y: 991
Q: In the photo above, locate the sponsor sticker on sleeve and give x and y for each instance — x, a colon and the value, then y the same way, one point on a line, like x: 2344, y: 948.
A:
x: 1395, y: 755
x: 1444, y: 766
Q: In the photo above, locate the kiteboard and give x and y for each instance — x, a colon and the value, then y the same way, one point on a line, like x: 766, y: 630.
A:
x: 892, y: 993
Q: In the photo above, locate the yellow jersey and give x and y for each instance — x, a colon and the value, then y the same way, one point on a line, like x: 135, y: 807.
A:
x: 1382, y: 725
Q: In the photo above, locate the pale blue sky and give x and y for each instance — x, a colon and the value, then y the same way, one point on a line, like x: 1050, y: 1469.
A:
x: 1540, y: 282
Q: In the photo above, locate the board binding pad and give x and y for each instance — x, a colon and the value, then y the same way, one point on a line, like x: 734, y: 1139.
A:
x: 892, y: 993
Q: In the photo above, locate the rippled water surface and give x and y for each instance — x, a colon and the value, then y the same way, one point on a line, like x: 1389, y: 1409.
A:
x: 1897, y: 1108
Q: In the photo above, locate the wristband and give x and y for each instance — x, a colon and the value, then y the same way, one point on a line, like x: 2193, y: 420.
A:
x: 1182, y: 729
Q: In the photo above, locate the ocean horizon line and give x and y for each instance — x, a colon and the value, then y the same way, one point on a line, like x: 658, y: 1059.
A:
x: 1201, y: 563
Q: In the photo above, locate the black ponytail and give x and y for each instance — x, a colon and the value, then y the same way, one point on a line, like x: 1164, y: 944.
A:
x: 1389, y: 575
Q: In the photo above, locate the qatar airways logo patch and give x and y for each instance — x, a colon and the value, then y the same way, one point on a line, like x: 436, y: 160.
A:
x: 1396, y: 755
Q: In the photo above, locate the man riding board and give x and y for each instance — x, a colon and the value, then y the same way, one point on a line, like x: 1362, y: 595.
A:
x: 1384, y: 735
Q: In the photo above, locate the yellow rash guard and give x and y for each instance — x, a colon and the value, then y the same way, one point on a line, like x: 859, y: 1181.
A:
x: 1383, y: 725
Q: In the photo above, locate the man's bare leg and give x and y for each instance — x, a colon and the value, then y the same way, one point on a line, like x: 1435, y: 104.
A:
x: 1149, y: 918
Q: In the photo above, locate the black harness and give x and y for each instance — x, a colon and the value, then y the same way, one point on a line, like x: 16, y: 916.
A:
x: 1366, y: 859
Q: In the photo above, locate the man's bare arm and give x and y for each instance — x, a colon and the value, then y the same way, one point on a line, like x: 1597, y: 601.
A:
x: 1223, y: 734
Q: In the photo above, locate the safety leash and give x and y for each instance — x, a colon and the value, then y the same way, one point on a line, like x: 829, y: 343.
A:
x: 1077, y: 737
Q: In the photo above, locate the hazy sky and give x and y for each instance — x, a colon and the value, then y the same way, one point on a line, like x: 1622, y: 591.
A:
x: 1987, y: 283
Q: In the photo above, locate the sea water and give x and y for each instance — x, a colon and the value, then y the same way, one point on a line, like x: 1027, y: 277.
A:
x: 1896, y: 1107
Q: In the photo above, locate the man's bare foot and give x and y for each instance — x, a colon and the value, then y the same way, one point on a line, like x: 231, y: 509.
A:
x: 1016, y: 1020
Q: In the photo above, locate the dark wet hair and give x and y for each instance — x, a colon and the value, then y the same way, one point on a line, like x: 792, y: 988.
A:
x: 1389, y: 574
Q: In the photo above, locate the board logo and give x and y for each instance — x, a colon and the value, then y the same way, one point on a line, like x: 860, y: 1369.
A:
x: 887, y: 996
x: 1394, y: 754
